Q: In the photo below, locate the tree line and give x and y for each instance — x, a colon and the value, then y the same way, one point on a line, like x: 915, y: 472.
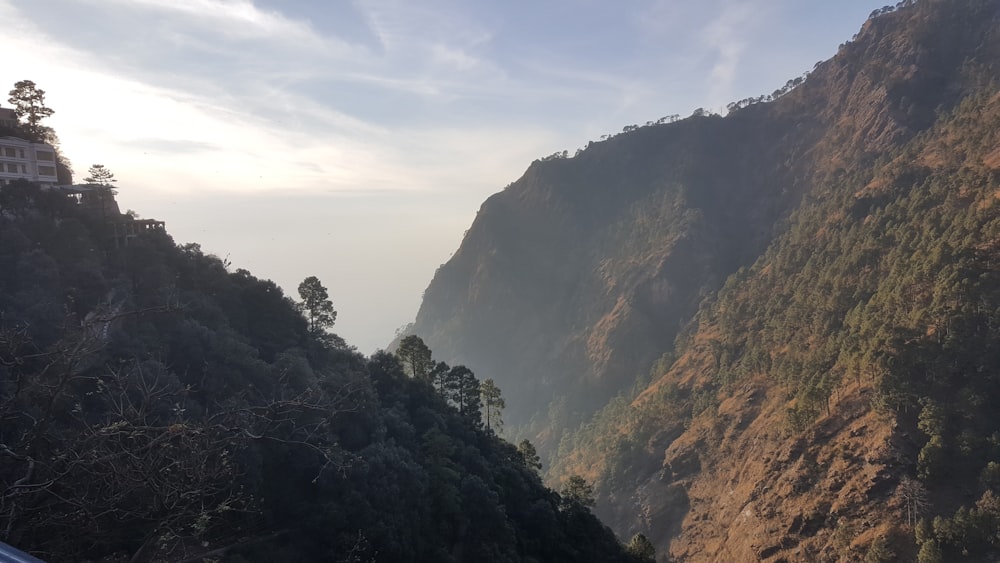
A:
x: 480, y: 402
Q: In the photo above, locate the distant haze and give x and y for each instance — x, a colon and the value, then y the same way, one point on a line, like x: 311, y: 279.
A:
x: 355, y: 141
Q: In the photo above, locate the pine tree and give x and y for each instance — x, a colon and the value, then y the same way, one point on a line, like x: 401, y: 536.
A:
x: 317, y: 306
x: 529, y: 454
x: 416, y: 357
x: 100, y: 174
x: 493, y: 404
x: 29, y: 105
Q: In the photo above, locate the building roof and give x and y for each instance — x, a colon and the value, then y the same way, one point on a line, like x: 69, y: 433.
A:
x: 25, y: 142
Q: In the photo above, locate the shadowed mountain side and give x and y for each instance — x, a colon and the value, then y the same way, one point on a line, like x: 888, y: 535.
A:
x: 576, y: 277
x: 800, y: 407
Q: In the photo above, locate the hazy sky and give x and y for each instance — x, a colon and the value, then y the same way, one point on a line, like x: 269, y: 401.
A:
x: 355, y: 140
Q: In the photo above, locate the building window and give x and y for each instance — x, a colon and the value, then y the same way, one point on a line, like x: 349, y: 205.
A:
x: 20, y: 153
x: 44, y: 155
x: 12, y: 168
x: 46, y: 170
x: 24, y: 169
x: 9, y: 152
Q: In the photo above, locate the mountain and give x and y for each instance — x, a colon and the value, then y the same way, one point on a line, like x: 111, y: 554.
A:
x: 578, y: 276
x: 157, y: 406
x: 811, y: 285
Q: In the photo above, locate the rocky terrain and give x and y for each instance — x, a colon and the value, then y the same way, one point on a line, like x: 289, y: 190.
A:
x: 770, y: 335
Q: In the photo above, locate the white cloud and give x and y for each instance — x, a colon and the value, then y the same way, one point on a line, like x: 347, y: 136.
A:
x: 235, y: 19
x: 452, y: 57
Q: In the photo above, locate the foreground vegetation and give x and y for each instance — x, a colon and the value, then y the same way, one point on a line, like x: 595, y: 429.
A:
x: 156, y: 406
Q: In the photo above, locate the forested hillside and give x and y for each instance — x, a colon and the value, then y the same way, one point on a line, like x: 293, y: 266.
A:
x: 156, y: 405
x: 813, y: 281
x: 577, y: 277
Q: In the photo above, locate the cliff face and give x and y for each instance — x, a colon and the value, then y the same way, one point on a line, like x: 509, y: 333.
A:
x: 576, y: 278
x: 832, y: 396
x: 817, y: 275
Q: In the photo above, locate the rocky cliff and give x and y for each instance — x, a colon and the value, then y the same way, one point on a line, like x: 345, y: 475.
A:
x: 817, y: 275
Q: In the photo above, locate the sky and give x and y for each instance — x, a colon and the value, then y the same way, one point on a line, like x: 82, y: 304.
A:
x: 355, y: 140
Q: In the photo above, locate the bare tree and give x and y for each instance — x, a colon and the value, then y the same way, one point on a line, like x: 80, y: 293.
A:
x: 914, y: 497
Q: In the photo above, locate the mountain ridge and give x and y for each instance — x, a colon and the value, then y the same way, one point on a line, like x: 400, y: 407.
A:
x: 773, y: 236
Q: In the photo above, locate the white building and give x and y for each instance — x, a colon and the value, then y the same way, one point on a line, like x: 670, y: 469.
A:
x: 20, y: 159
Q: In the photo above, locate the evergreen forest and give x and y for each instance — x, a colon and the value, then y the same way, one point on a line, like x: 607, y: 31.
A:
x: 156, y: 405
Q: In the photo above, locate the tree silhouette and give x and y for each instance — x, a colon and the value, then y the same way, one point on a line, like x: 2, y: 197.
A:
x: 578, y: 492
x: 493, y: 404
x: 316, y: 305
x: 415, y: 357
x: 29, y: 105
x: 100, y: 174
x: 462, y: 389
x: 529, y: 454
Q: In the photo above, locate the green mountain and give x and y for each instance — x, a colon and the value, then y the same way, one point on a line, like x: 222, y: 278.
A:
x: 156, y: 406
x: 811, y: 283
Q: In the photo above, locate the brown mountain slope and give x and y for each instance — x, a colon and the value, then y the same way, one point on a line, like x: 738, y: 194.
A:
x: 837, y: 387
x: 575, y: 278
x: 843, y: 387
